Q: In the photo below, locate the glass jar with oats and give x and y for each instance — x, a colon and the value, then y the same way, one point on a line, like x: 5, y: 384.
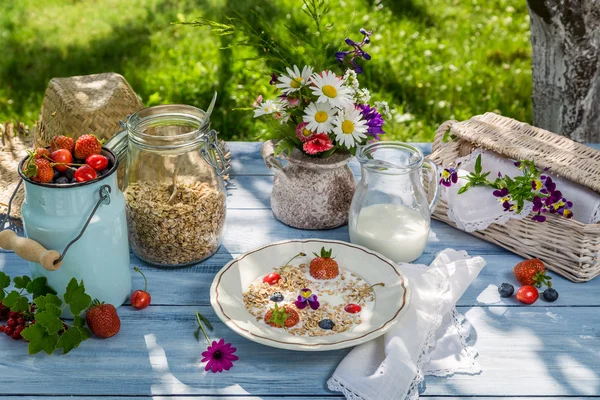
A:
x: 174, y: 191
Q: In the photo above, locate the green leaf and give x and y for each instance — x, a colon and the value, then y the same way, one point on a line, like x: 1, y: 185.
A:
x: 79, y: 323
x: 284, y: 145
x: 69, y: 340
x: 76, y: 297
x: 49, y: 299
x: 207, y: 322
x: 39, y: 339
x: 49, y: 320
x: 21, y: 282
x: 16, y: 302
x: 4, y: 281
x: 478, y: 165
x: 39, y: 287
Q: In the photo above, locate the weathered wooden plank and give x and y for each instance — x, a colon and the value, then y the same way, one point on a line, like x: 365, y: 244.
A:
x: 523, y: 352
x: 190, y: 286
x: 286, y: 397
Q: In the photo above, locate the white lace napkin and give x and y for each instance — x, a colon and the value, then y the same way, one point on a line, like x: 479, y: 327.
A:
x: 429, y: 339
x: 477, y: 208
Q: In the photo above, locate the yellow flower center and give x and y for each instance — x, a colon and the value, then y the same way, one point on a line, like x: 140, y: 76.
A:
x: 329, y: 91
x: 347, y: 127
x: 445, y: 174
x: 296, y: 82
x: 321, y: 116
x: 306, y: 132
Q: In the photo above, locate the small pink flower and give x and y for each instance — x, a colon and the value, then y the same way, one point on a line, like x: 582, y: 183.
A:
x: 318, y: 144
x: 258, y: 100
x: 292, y: 102
x: 304, y: 134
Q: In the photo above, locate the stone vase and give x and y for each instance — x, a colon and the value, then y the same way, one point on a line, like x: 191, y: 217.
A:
x: 309, y: 192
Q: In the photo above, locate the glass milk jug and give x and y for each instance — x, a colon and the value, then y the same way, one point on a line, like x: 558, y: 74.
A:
x: 390, y: 211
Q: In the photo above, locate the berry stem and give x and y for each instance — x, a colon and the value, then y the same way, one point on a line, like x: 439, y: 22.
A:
x: 136, y: 269
x: 202, y: 327
x: 301, y: 254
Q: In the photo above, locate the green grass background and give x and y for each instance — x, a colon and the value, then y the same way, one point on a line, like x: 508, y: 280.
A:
x: 433, y: 60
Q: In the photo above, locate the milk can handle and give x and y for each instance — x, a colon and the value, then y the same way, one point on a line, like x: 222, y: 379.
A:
x: 433, y: 180
x: 31, y: 250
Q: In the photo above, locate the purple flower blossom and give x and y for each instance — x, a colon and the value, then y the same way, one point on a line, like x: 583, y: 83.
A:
x: 357, y: 53
x: 449, y: 176
x: 274, y: 78
x: 539, y: 218
x: 219, y: 356
x: 500, y: 192
x: 305, y: 298
x: 374, y: 120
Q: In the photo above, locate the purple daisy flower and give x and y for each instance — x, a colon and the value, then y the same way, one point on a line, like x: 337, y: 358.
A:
x: 305, y: 298
x: 219, y: 356
x: 374, y: 120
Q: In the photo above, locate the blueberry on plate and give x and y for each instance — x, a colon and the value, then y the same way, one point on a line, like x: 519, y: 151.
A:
x: 70, y: 173
x: 550, y: 294
x: 326, y: 324
x: 62, y: 180
x: 56, y: 174
x: 277, y: 297
x: 506, y: 290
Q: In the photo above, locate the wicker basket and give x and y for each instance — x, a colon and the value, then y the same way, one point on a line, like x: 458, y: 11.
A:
x: 567, y: 247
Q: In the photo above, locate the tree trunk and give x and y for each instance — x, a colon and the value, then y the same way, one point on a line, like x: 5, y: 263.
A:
x: 565, y: 35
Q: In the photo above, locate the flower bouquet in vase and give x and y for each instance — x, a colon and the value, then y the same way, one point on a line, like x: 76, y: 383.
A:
x: 315, y: 117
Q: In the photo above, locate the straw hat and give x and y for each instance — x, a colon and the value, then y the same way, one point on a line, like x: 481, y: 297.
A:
x: 84, y: 104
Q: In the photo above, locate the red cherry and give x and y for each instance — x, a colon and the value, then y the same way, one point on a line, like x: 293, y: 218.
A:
x: 527, y: 294
x: 140, y: 299
x: 62, y: 156
x: 97, y: 161
x: 352, y: 308
x: 271, y: 278
x: 85, y: 173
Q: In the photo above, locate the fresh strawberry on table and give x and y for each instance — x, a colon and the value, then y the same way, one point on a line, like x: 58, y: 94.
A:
x: 62, y: 159
x: 62, y: 142
x: 323, y: 266
x: 531, y: 272
x: 97, y: 161
x: 141, y: 298
x: 85, y: 173
x: 103, y: 320
x: 86, y: 145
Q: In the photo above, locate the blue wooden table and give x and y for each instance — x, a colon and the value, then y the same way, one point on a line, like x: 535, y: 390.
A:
x: 543, y: 351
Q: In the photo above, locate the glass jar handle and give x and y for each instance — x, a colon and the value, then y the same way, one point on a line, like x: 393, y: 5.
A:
x: 436, y: 194
x: 208, y: 152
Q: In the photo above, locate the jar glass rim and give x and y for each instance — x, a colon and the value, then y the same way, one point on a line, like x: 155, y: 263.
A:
x: 154, y: 115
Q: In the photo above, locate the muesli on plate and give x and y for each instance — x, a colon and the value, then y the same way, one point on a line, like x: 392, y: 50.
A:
x: 315, y: 299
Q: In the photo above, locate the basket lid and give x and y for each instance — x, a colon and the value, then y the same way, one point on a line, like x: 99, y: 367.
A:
x: 517, y: 140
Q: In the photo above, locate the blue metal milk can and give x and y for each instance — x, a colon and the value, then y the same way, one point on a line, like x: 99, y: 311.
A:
x: 84, y: 221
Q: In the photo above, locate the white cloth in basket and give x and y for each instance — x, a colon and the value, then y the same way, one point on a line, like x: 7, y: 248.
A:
x: 430, y: 339
x: 477, y: 208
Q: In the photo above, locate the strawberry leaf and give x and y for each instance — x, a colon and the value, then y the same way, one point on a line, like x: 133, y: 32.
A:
x: 69, y: 340
x: 39, y: 287
x: 42, y: 301
x: 21, y: 282
x: 79, y: 323
x: 4, y: 280
x: 278, y: 316
x: 16, y: 302
x: 39, y: 339
x: 50, y: 319
x: 76, y: 297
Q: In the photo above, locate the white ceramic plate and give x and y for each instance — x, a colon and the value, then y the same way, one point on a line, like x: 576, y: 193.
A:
x: 391, y: 301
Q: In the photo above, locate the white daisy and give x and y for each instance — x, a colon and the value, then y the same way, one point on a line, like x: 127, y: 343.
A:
x: 268, y: 107
x: 319, y: 117
x: 349, y: 127
x: 329, y: 88
x: 294, y: 80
